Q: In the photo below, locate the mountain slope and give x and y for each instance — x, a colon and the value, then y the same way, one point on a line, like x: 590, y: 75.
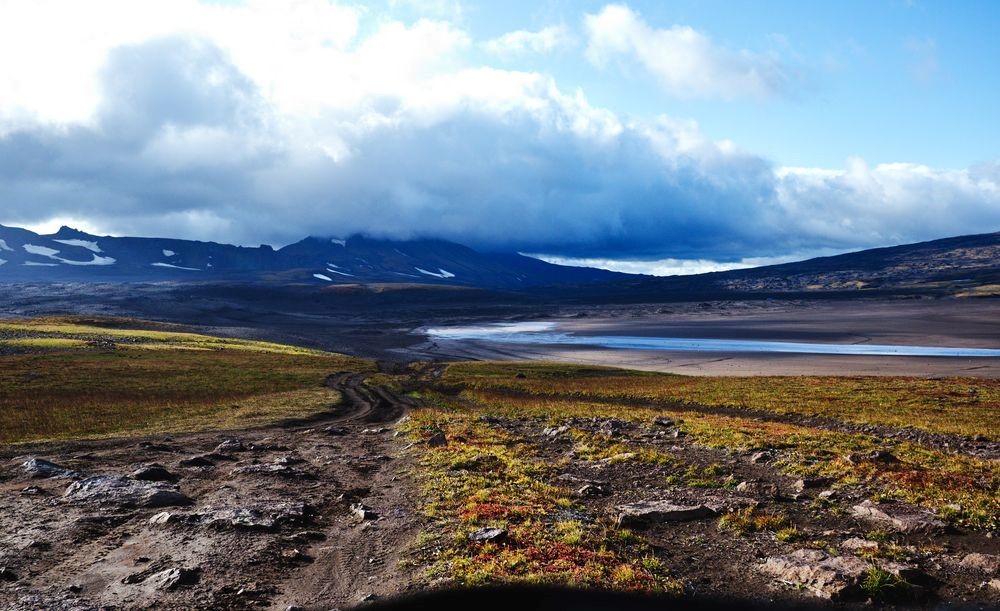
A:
x: 70, y: 254
x: 963, y: 265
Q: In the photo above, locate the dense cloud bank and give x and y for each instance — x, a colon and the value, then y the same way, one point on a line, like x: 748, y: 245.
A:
x: 188, y: 139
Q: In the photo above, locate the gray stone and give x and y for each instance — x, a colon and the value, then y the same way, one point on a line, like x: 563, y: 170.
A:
x: 822, y: 575
x: 857, y: 544
x: 554, y: 431
x: 900, y: 516
x: 650, y: 512
x: 806, y: 483
x: 171, y: 578
x: 664, y: 421
x: 487, y: 534
x: 363, y: 512
x: 230, y: 445
x: 118, y: 490
x: 263, y: 514
x: 41, y: 468
x: 757, y: 489
x: 592, y: 490
x: 761, y: 457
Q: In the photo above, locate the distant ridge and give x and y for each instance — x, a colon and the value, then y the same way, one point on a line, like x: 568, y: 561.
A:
x: 73, y: 255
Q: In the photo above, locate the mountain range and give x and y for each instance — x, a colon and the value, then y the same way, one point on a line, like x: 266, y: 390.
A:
x: 957, y: 265
x: 72, y: 255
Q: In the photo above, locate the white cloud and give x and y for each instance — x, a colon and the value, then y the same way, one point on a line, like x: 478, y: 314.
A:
x: 524, y: 42
x: 686, y: 62
x: 264, y: 122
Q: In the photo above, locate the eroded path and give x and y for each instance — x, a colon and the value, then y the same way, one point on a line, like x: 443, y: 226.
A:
x: 273, y: 516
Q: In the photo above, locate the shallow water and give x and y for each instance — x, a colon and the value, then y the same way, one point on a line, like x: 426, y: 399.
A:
x: 547, y: 333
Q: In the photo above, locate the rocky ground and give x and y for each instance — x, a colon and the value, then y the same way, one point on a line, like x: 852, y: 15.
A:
x: 331, y: 513
x: 311, y: 514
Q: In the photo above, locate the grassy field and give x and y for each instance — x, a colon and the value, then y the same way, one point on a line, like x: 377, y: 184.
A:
x: 959, y: 406
x: 72, y: 378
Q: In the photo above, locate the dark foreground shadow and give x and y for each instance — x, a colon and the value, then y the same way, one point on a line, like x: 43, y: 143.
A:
x: 560, y: 599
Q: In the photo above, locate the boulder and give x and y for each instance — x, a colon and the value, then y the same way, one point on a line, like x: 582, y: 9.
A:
x: 899, y: 516
x: 487, y: 534
x: 651, y: 512
x: 41, y: 468
x: 437, y: 440
x: 153, y: 473
x: 230, y: 445
x: 758, y: 489
x: 171, y: 578
x: 262, y: 514
x: 363, y: 512
x: 554, y: 431
x: 118, y: 490
x: 822, y: 575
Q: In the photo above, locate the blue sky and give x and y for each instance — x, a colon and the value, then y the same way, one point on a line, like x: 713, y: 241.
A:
x: 648, y: 136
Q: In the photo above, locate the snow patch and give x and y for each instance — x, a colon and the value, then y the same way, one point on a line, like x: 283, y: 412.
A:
x: 339, y: 242
x: 322, y: 277
x: 91, y: 246
x: 168, y: 253
x: 2, y: 261
x: 333, y: 271
x: 44, y: 251
x: 3, y: 246
x: 51, y: 253
x: 36, y: 264
x: 97, y: 260
x: 441, y: 273
x: 190, y: 269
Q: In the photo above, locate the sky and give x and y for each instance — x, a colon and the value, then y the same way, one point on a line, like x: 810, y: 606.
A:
x: 661, y: 137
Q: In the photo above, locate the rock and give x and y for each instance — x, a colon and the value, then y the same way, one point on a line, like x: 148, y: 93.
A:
x: 155, y: 447
x: 437, y: 440
x: 74, y: 588
x: 294, y: 608
x: 269, y: 469
x: 827, y: 494
x: 648, y: 512
x: 230, y: 445
x: 554, y: 431
x: 33, y: 491
x: 289, y: 460
x: 335, y: 431
x: 900, y: 516
x: 263, y: 514
x: 664, y: 422
x: 41, y: 468
x: 761, y: 457
x: 153, y: 473
x: 363, y: 512
x: 171, y: 578
x: 487, y: 534
x: 758, y: 489
x: 623, y: 457
x: 6, y: 574
x: 197, y: 461
x: 806, y: 483
x: 294, y: 554
x: 591, y: 489
x: 822, y: 575
x: 164, y: 517
x: 120, y: 490
x: 993, y: 584
x: 988, y: 563
x: 857, y: 544
x: 879, y: 456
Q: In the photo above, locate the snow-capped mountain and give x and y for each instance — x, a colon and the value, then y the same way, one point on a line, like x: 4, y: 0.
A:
x: 70, y: 254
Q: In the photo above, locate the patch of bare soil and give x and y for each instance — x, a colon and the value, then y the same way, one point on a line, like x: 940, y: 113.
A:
x: 310, y: 514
